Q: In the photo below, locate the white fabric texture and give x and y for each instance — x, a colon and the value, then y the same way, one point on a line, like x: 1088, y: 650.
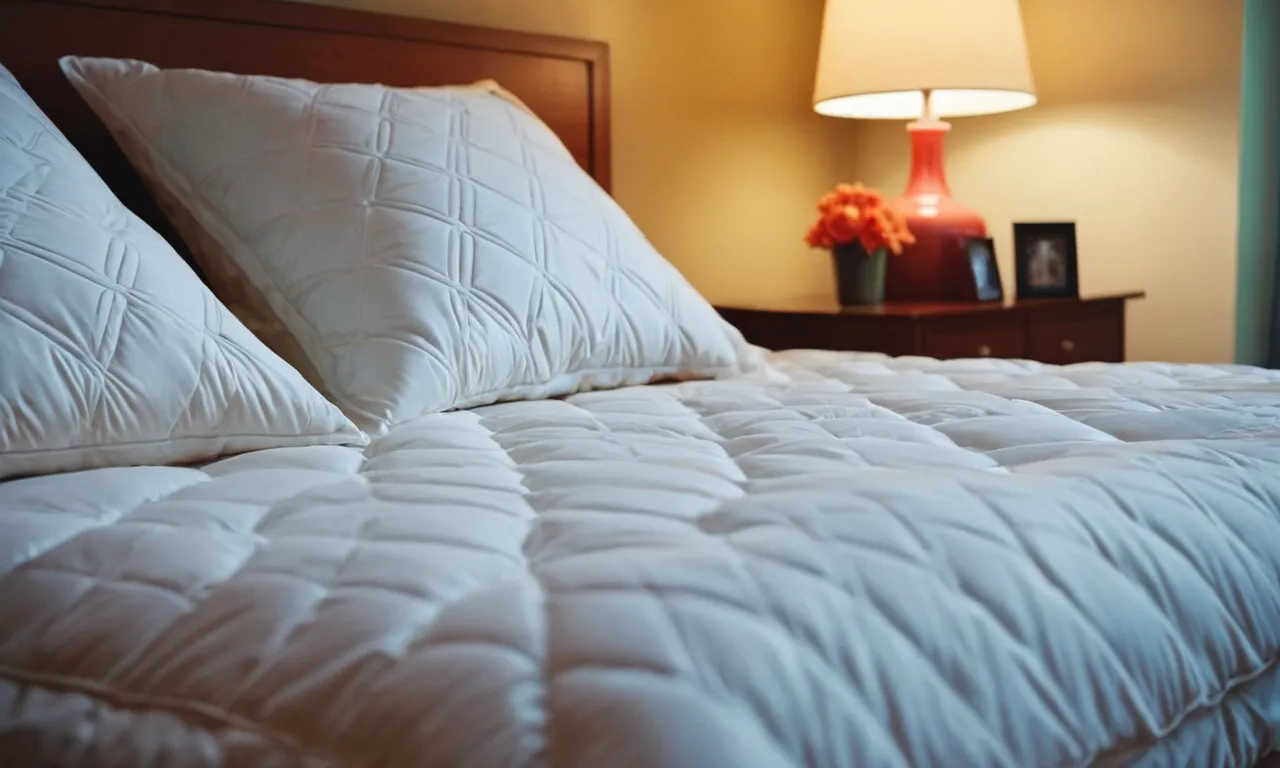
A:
x: 111, y: 350
x: 842, y: 560
x: 428, y: 248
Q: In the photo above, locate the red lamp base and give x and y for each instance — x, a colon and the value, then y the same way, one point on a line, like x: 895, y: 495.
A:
x: 935, y: 268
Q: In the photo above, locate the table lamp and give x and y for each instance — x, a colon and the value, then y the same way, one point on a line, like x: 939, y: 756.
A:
x: 923, y: 60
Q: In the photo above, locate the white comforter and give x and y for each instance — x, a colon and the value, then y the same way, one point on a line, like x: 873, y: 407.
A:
x: 847, y: 561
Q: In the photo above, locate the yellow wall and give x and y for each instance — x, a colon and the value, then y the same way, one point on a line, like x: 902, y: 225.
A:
x: 717, y: 154
x: 1136, y: 138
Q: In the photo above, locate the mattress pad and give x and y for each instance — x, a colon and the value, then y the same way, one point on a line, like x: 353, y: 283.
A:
x: 841, y: 560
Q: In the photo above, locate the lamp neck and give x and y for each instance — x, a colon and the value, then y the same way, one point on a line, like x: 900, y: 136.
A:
x: 930, y: 112
x: 928, y: 171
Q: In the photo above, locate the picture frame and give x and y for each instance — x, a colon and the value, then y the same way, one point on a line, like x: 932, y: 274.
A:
x: 1045, y: 258
x: 984, y: 270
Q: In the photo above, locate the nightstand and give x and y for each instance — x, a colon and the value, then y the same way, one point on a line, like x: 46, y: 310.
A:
x: 1058, y: 331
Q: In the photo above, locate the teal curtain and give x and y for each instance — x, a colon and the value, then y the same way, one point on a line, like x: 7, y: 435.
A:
x: 1273, y: 347
x: 1258, y: 257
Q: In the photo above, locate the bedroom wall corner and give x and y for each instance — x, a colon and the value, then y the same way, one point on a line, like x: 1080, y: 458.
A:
x: 1136, y: 137
x: 717, y: 153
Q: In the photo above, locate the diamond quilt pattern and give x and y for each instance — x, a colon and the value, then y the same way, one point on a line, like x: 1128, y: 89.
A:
x: 111, y: 350
x: 837, y: 560
x: 429, y: 248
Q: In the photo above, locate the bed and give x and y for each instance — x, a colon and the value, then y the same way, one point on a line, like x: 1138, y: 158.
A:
x: 827, y: 559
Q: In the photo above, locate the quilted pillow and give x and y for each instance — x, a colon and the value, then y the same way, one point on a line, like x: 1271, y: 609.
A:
x: 428, y: 248
x: 111, y: 350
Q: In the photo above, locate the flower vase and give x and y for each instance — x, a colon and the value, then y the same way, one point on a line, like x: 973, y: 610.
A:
x: 859, y: 275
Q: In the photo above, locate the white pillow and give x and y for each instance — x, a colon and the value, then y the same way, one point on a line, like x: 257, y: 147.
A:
x: 111, y: 350
x: 429, y: 248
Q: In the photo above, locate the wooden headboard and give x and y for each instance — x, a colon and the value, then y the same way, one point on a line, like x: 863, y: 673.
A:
x: 565, y: 81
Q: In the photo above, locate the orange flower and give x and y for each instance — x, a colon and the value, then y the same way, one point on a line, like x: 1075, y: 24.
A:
x: 852, y: 212
x: 865, y: 197
x: 843, y: 224
x: 817, y: 237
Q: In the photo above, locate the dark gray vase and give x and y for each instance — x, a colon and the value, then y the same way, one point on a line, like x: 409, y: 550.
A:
x: 859, y: 275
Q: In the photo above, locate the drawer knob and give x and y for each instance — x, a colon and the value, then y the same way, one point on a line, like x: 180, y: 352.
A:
x: 984, y: 351
x: 1068, y: 345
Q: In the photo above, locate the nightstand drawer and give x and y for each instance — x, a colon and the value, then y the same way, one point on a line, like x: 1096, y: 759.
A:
x: 998, y: 336
x: 1085, y: 337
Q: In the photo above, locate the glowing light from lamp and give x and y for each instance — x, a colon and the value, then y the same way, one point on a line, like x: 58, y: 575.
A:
x: 908, y: 105
x: 877, y: 59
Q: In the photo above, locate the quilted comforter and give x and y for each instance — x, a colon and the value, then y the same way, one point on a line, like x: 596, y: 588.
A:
x: 843, y: 560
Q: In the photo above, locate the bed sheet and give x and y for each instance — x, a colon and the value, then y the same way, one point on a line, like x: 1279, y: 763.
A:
x: 839, y: 560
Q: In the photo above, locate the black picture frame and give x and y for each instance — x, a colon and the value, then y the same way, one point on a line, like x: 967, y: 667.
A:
x: 1046, y: 259
x: 984, y: 270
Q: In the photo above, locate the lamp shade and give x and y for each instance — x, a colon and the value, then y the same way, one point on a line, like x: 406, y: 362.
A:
x: 878, y: 57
